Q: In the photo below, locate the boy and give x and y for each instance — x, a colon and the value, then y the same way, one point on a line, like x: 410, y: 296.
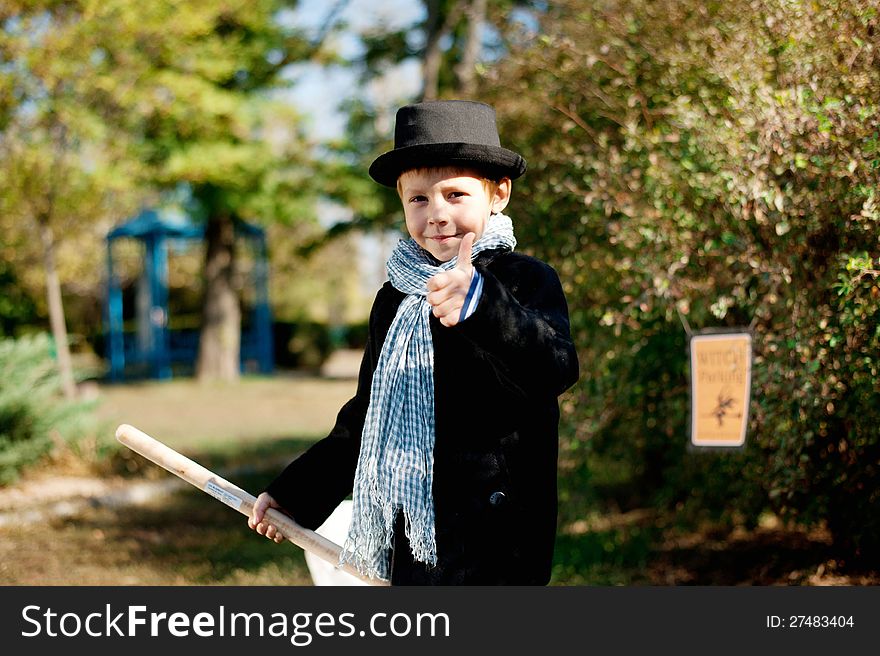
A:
x: 449, y: 445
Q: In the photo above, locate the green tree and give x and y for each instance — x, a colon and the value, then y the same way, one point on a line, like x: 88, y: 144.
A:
x: 180, y: 97
x: 205, y: 117
x: 717, y: 160
x: 62, y: 162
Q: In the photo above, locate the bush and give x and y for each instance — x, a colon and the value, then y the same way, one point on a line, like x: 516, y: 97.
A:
x: 33, y: 414
x: 718, y: 160
x: 17, y: 308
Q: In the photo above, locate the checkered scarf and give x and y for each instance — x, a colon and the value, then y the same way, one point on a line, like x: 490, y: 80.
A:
x: 396, y: 464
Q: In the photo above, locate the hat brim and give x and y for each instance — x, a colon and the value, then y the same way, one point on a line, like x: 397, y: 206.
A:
x: 494, y: 161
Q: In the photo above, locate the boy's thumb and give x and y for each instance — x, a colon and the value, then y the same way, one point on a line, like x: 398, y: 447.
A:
x: 464, y: 251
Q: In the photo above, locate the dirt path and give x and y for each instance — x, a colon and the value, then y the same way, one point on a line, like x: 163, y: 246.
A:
x: 44, y: 499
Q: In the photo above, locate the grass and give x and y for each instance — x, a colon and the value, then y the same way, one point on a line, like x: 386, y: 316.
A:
x: 184, y: 414
x: 608, y: 536
x: 252, y: 428
x: 249, y: 431
x: 183, y: 540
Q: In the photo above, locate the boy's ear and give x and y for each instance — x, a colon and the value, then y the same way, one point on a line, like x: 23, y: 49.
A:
x: 502, y: 195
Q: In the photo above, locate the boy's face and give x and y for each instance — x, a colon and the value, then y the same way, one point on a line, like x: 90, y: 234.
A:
x: 443, y: 205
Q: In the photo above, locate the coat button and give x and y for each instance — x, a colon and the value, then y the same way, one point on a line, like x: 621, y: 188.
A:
x: 497, y: 498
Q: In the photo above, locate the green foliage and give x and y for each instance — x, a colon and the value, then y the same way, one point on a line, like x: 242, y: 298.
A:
x: 65, y: 154
x: 106, y: 106
x: 33, y: 415
x: 718, y: 160
x: 17, y: 308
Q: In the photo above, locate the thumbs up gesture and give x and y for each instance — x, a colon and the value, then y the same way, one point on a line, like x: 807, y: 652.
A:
x: 447, y: 290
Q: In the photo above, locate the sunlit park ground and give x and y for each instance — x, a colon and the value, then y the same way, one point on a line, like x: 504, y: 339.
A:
x: 246, y: 431
x: 60, y: 525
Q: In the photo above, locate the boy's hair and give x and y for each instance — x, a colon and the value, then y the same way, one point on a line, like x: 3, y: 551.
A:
x: 490, y: 185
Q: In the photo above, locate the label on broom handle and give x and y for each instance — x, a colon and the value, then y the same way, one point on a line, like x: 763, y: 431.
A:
x: 222, y: 495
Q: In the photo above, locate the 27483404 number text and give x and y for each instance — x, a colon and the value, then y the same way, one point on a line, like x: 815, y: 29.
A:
x: 810, y: 621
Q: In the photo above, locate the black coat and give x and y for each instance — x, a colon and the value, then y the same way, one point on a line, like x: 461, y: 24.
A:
x: 497, y: 376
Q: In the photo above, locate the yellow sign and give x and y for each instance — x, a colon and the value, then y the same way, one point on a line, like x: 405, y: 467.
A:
x: 721, y: 385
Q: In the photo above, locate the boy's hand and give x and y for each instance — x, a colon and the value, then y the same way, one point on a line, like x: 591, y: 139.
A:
x: 259, y: 524
x: 448, y: 290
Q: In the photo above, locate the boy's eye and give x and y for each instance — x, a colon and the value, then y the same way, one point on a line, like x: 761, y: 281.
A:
x: 457, y: 194
x: 418, y: 199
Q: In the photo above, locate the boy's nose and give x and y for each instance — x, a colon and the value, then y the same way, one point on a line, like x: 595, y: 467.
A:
x: 439, y: 220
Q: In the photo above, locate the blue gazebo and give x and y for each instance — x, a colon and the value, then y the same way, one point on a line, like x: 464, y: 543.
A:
x: 158, y: 346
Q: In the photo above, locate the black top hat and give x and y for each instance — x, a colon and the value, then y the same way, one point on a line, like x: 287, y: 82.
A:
x: 446, y: 133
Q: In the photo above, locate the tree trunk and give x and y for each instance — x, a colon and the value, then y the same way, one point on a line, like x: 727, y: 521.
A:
x: 220, y: 340
x: 439, y: 24
x: 466, y: 70
x: 433, y: 55
x: 56, y: 311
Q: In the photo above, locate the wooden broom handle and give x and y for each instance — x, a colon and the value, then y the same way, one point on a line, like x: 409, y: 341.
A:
x: 233, y: 496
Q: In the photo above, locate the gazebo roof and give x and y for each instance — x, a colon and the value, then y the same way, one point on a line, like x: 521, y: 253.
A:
x: 154, y: 222
x: 171, y: 223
